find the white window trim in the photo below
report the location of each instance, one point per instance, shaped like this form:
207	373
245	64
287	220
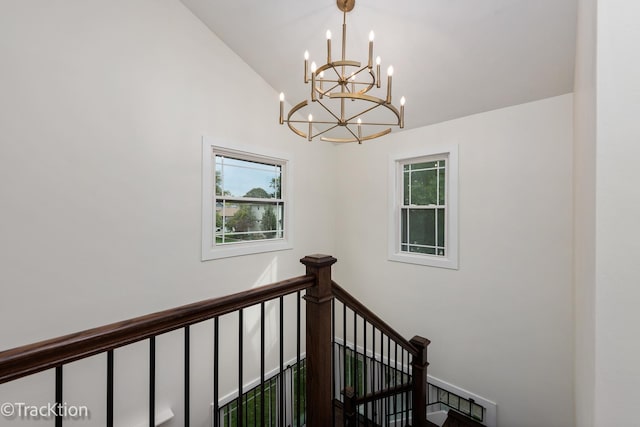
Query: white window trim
209	249
395	192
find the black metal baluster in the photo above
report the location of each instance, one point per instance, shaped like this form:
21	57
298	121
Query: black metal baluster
187	405
364	371
281	415
299	394
374	405
262	364
216	409
152	381
355	354
395	381
333	360
292	405
408	393
110	388
240	354
304	415
388	379
402	401
344	361
58	395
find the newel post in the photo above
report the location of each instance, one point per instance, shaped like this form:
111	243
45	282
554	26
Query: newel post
419	365
319	341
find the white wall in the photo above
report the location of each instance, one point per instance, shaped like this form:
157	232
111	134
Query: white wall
617	211
584	159
502	325
102	108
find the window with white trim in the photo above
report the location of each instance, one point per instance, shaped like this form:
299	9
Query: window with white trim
423	228
245	204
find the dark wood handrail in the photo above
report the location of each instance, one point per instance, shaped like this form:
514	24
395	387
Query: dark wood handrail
355	305
382	394
32	358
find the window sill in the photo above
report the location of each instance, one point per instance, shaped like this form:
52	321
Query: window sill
240	249
431	261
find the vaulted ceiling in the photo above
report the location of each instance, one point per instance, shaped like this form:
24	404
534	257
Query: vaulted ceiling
452	58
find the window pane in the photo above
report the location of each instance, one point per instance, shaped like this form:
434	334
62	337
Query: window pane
422	227
464	407
243	178
454	401
441	186
424	187
424	165
422	250
476	411
404	232
441	227
405	185
242	221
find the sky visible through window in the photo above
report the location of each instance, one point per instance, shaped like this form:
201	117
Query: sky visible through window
238	177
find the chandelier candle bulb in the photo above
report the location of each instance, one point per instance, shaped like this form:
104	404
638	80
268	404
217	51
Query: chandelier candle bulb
313	81
281	108
359	131
310	120
371	36
306	66
378	61
389	76
328	46
402	101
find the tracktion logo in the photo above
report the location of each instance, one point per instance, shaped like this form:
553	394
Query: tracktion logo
22	410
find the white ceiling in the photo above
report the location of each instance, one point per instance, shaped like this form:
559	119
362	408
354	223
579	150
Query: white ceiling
451	58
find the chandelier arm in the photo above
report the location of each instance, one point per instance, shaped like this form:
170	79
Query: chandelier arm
328	110
324	92
372	84
363	112
364	138
326	130
337	73
335	64
316	122
291	113
354	135
296	108
369	85
369	98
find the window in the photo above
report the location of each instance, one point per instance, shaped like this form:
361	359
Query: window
423	227
245	204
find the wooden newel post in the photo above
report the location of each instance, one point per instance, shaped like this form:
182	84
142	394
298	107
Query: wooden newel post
419	365
319	341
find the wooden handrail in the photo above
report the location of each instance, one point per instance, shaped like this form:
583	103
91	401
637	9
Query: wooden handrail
382	394
32	358
355	305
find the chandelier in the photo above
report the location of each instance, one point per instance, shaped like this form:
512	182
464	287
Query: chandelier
341	97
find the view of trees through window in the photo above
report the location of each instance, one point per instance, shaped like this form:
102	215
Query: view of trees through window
423	207
249	204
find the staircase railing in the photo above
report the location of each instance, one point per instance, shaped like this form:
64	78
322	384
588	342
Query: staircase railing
322	297
388	384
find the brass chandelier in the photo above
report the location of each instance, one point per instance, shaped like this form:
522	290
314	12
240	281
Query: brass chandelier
341	97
